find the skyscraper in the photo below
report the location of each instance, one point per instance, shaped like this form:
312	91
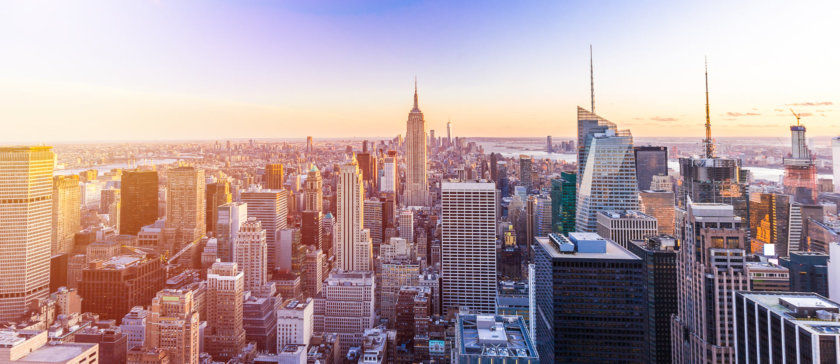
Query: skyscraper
185	206
650	161
608	181
417	188
710	266
468	221
589	300
225	335
172	325
589	124
217	194
835	161
800	169
346	307
624	226
525	171
389	181
352	242
250	254
659	256
139	200
230	217
270	208
66	213
273	178
782	327
563	202
660	205
313	190
374	221
26	185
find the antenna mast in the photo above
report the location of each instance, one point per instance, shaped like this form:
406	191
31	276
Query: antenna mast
708	143
592	78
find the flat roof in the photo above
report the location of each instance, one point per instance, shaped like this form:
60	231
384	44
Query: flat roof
59	353
614	251
468	186
777	302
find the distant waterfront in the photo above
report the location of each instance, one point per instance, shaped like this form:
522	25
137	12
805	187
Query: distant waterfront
107	167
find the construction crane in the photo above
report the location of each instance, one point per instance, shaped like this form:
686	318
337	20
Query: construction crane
797	116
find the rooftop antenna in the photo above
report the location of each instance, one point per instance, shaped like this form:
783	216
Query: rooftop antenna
592	78
708	143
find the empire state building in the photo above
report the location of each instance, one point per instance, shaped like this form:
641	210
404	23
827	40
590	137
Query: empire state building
417	187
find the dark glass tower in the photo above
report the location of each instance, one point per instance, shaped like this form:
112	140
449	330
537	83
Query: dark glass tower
563	202
589	300
650	161
139	205
659	254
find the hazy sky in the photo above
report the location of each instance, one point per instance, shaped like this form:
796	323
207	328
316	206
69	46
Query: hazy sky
117	70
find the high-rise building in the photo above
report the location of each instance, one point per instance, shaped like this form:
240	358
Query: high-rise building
368	165
295	322
217	194
311	228
468	244
835	162
270	208
273	178
710	266
224	336
650	161
66	213
230	218
259	319
768	277
563	202
588	126
309	147
608	181
313	191
406	225
416	185
352	241
660	206
346	307
133	324
374	221
525	163
808	272
493	338
185	206
800	169
782	327
589	300
172	325
112	287
659	256
624	226
26	186
313	272
389	181
139	200
494	171
250	254
413	312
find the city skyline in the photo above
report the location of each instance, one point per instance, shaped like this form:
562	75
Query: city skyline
330	70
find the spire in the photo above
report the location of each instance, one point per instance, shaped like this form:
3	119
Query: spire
592	79
416	107
708	143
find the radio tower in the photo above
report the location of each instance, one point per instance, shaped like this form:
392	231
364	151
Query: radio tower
708	143
592	79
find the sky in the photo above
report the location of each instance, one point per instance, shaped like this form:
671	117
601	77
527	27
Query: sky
168	70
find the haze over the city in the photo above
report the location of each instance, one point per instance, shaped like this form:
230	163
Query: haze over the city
161	70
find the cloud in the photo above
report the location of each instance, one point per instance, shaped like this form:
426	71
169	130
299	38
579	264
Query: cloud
659	118
818	103
779	110
740	114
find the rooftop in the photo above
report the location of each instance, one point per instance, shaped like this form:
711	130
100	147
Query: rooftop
628	214
462	186
494	336
811	311
559	246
